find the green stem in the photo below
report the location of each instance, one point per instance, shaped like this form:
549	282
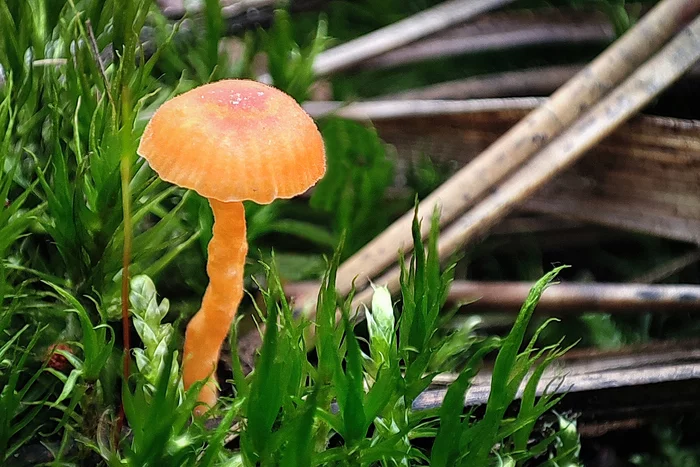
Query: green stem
125	170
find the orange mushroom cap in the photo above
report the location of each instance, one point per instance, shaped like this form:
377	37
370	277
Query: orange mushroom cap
235	140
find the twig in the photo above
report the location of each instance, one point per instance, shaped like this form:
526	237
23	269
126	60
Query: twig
565	297
401	32
378	110
593	375
466	40
578	296
579	362
533	133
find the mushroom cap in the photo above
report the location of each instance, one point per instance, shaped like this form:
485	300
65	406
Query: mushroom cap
235	140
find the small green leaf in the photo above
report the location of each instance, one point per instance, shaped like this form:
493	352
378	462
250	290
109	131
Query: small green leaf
299	449
353	410
265	391
68	387
446	448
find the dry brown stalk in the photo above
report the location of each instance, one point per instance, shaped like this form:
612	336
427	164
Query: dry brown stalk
500	32
565	297
622	103
518	144
595	373
578	296
402	32
585	361
379	110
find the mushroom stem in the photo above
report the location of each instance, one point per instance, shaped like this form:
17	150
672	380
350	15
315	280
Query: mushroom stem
210	326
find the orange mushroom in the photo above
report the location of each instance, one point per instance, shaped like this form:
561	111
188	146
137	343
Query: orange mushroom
230	141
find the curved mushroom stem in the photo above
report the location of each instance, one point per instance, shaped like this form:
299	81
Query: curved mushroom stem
210	326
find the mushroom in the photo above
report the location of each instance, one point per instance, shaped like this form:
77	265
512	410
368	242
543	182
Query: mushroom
230	141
